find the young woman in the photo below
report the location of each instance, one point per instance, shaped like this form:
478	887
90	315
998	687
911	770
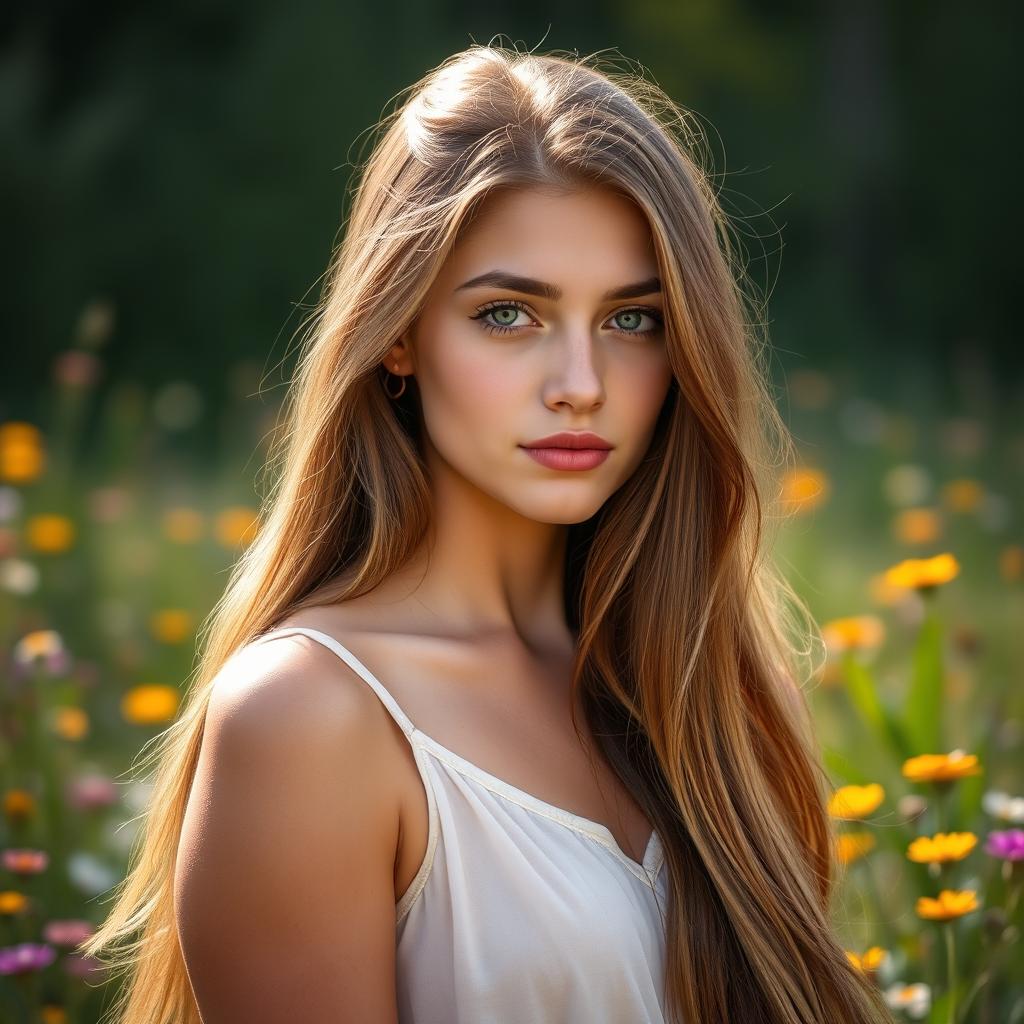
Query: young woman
499	718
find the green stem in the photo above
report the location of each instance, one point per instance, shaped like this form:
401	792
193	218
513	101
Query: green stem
951	972
1011	903
941	809
882	921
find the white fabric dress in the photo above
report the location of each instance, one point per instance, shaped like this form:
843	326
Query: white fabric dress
521	912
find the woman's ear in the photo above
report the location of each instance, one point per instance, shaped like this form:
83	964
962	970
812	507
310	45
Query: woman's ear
399	358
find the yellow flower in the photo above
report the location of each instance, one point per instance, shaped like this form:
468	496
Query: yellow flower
171	625
12	901
854	633
950	903
941	767
19	432
922	573
50	533
869	961
22	458
804	489
917	526
963	494
942	847
150	703
856	801
19	804
70	723
51	1013
40	643
182	525
236	525
854	845
884	593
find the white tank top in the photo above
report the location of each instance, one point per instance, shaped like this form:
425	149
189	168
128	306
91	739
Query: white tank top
521	912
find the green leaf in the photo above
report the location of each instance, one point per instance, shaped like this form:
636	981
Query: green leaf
842	769
923	712
860	685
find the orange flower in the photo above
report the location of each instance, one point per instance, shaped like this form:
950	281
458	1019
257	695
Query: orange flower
917	526
150	703
19	804
182	525
869	961
804	489
22	458
237	525
854	802
171	625
951	903
19	432
941	767
12	902
70	723
963	494
50	533
1011	562
854	845
854	633
942	847
923	573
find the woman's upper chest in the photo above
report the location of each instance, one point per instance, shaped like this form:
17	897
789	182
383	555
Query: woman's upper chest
506	709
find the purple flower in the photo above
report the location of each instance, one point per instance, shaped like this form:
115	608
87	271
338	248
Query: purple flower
26	956
1008	844
80	966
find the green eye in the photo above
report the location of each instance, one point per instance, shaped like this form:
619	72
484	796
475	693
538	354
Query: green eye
635	317
505	312
501	311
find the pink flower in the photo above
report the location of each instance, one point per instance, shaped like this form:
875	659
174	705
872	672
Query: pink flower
1009	844
25	862
91	791
67	932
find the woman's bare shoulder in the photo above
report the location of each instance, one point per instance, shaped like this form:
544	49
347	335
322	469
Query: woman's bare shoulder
288	842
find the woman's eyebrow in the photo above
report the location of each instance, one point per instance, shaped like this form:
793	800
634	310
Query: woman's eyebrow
531	286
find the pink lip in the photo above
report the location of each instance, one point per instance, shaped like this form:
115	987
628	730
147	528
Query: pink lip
568	458
570	439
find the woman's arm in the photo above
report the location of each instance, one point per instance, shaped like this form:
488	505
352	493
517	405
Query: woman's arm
284	884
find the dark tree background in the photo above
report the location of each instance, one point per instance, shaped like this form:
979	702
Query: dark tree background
189	164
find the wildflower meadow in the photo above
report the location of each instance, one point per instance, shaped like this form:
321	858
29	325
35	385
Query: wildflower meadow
904	535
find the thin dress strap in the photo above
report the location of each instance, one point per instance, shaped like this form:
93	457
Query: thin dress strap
354	663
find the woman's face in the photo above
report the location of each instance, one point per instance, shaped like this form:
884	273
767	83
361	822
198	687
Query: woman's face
546	317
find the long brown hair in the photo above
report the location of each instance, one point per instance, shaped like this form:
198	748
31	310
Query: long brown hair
692	649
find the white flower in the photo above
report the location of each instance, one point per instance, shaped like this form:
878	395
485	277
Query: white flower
915	1000
1003	806
18	576
89	874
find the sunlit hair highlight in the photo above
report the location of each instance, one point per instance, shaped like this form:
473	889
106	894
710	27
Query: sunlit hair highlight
692	649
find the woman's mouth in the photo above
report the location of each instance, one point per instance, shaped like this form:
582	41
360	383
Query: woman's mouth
567	458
